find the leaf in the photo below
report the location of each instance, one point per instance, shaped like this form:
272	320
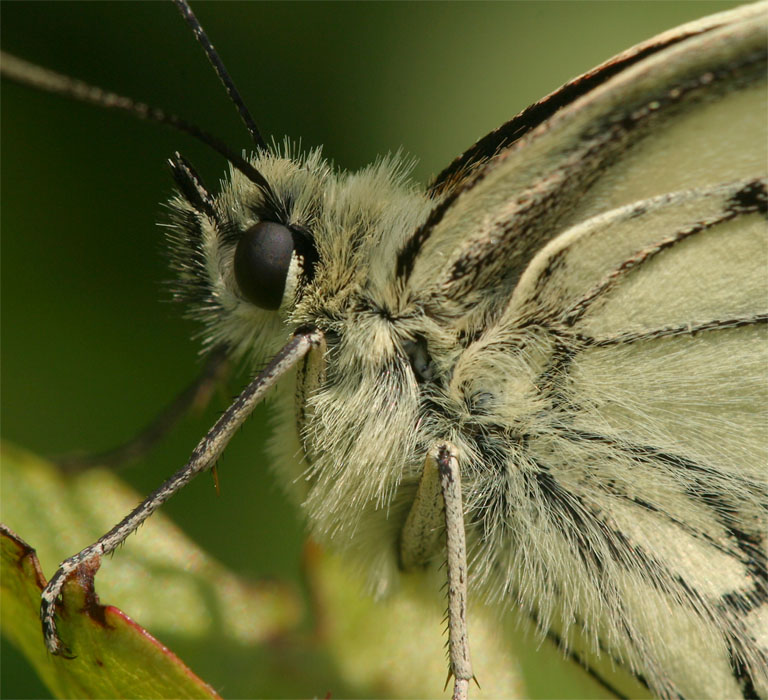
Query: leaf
115	657
160	576
251	637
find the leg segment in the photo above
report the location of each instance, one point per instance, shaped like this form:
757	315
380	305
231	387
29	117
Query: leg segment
203	457
195	395
438	504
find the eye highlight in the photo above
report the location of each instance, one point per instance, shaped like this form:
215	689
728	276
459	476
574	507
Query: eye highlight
262	262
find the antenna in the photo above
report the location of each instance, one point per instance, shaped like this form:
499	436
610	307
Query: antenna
221	71
31	75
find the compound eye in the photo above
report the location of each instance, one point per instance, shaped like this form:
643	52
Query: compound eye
262	259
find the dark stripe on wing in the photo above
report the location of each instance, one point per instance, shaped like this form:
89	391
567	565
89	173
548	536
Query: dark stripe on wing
589	156
699	490
682	330
581	660
535	114
749	199
741	672
617	130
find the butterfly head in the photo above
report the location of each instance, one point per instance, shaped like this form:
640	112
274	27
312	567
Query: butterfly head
314	247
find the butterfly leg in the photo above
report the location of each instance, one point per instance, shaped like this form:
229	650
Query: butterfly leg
438	505
195	396
203	457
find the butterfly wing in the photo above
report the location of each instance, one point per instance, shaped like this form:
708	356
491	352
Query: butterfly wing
649	463
608	274
498	140
689	114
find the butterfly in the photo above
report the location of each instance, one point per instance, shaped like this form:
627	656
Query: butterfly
511	317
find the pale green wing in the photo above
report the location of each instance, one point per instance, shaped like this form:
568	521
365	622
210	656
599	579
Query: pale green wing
607	274
684	115
650	453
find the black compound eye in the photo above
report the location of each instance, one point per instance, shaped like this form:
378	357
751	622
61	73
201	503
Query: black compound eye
262	258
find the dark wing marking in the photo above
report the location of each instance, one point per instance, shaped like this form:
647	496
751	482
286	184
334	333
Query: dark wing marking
505	135
513	230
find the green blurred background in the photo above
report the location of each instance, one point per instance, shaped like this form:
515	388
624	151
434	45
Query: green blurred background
91	345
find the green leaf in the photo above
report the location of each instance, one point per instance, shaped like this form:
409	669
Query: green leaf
114	657
161	577
252	637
